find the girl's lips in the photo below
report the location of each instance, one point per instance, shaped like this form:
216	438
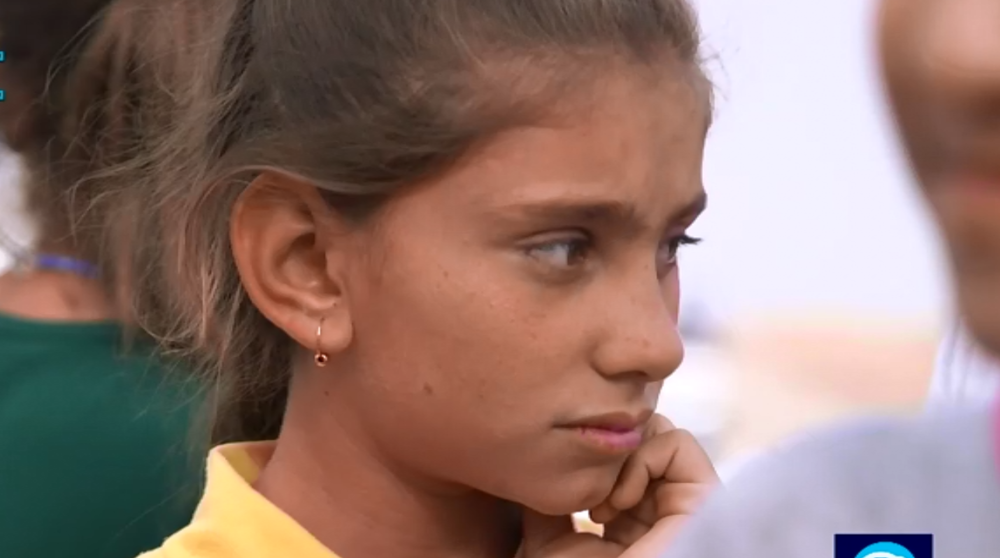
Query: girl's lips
615	433
611	441
619	420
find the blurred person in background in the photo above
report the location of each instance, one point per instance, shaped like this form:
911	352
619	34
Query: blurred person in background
938	474
94	441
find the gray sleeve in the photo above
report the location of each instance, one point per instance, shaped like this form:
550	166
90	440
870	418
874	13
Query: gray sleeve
877	477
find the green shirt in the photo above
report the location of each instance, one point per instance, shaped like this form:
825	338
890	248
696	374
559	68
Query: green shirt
96	455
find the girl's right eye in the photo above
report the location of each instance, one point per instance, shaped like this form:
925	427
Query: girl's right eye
563	253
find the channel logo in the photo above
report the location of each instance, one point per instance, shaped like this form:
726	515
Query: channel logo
883	546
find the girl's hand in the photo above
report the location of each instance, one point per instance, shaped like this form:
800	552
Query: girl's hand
556	537
661	484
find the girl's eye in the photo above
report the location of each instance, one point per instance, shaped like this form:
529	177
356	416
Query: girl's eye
563	253
667	257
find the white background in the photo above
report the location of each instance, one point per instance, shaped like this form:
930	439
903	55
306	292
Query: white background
811	202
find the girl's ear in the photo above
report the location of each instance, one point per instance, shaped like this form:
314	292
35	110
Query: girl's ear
289	247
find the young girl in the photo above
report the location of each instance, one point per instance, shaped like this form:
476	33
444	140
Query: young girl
93	437
939	474
431	248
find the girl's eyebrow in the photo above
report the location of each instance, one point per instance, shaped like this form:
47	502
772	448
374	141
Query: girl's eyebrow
605	212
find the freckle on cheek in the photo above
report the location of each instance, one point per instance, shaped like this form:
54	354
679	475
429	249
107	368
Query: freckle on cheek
428	389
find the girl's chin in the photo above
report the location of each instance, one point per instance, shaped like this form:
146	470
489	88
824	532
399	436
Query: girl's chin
571	495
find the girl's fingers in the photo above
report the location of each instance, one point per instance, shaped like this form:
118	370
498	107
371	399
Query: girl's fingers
625	529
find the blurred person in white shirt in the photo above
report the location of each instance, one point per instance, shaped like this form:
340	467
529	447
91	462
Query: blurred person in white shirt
964	374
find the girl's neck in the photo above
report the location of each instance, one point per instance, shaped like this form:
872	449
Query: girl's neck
357	504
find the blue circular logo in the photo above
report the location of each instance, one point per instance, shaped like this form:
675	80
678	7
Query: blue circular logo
885	550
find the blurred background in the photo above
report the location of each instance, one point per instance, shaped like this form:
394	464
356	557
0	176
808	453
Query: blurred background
818	292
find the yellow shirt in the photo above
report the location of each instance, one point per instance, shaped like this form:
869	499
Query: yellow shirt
234	521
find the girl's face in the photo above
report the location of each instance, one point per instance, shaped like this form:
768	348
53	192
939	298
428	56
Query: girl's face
511	321
942	66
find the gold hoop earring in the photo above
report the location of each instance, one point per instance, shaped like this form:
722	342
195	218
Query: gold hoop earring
320	357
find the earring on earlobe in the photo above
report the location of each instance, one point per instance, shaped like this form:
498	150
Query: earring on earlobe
320	357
